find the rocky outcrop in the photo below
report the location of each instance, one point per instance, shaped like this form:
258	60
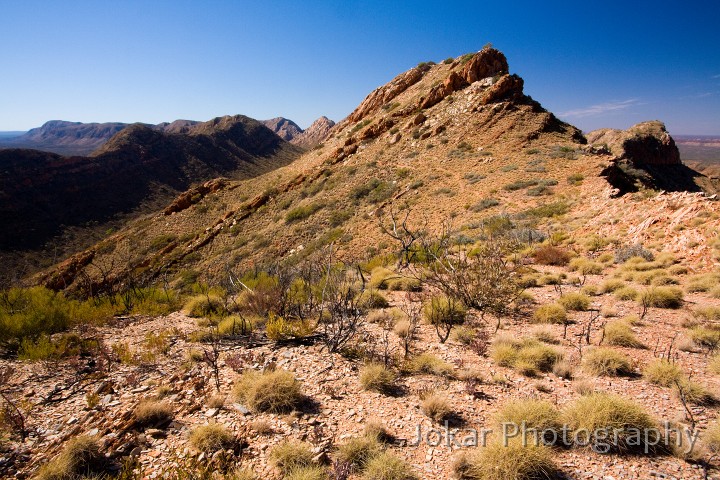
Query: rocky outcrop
194	195
382	95
644	155
315	134
647	143
488	63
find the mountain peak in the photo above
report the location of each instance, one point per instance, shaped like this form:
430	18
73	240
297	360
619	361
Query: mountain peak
283	127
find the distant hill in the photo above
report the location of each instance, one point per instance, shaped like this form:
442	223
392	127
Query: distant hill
139	170
284	128
291	132
76	138
65	138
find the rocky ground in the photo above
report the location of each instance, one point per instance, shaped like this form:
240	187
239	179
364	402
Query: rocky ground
68	398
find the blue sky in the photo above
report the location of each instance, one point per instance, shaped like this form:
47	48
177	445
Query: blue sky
611	64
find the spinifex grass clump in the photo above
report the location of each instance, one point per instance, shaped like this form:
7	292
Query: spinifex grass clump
272	391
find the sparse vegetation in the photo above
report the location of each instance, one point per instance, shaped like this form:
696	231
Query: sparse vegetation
377	377
663	372
211	437
516	461
430	364
550	313
271	391
574	301
527	356
289	456
603	411
604	361
620	334
80	457
357	452
151	413
436	406
387	466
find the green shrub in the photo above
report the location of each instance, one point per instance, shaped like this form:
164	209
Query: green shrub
302	212
626	293
575	178
483	204
603	361
607	412
29	313
370	299
464	335
662	297
211	437
430	364
620	334
203	306
444	310
58	346
663	372
549	210
550	313
545	334
288	456
714	364
574	301
314	472
377	377
270	391
516	461
234	325
703	283
626	252
155	302
385	279
528	356
444	313
387	466
711	314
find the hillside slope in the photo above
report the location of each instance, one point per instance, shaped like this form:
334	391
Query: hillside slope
138	171
457	142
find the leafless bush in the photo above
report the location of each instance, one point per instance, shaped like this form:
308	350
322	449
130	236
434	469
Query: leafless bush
341	315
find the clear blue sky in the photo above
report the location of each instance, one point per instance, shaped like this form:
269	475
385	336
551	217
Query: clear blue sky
594	64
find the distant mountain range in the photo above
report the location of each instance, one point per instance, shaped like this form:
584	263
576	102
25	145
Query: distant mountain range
138	170
76	138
